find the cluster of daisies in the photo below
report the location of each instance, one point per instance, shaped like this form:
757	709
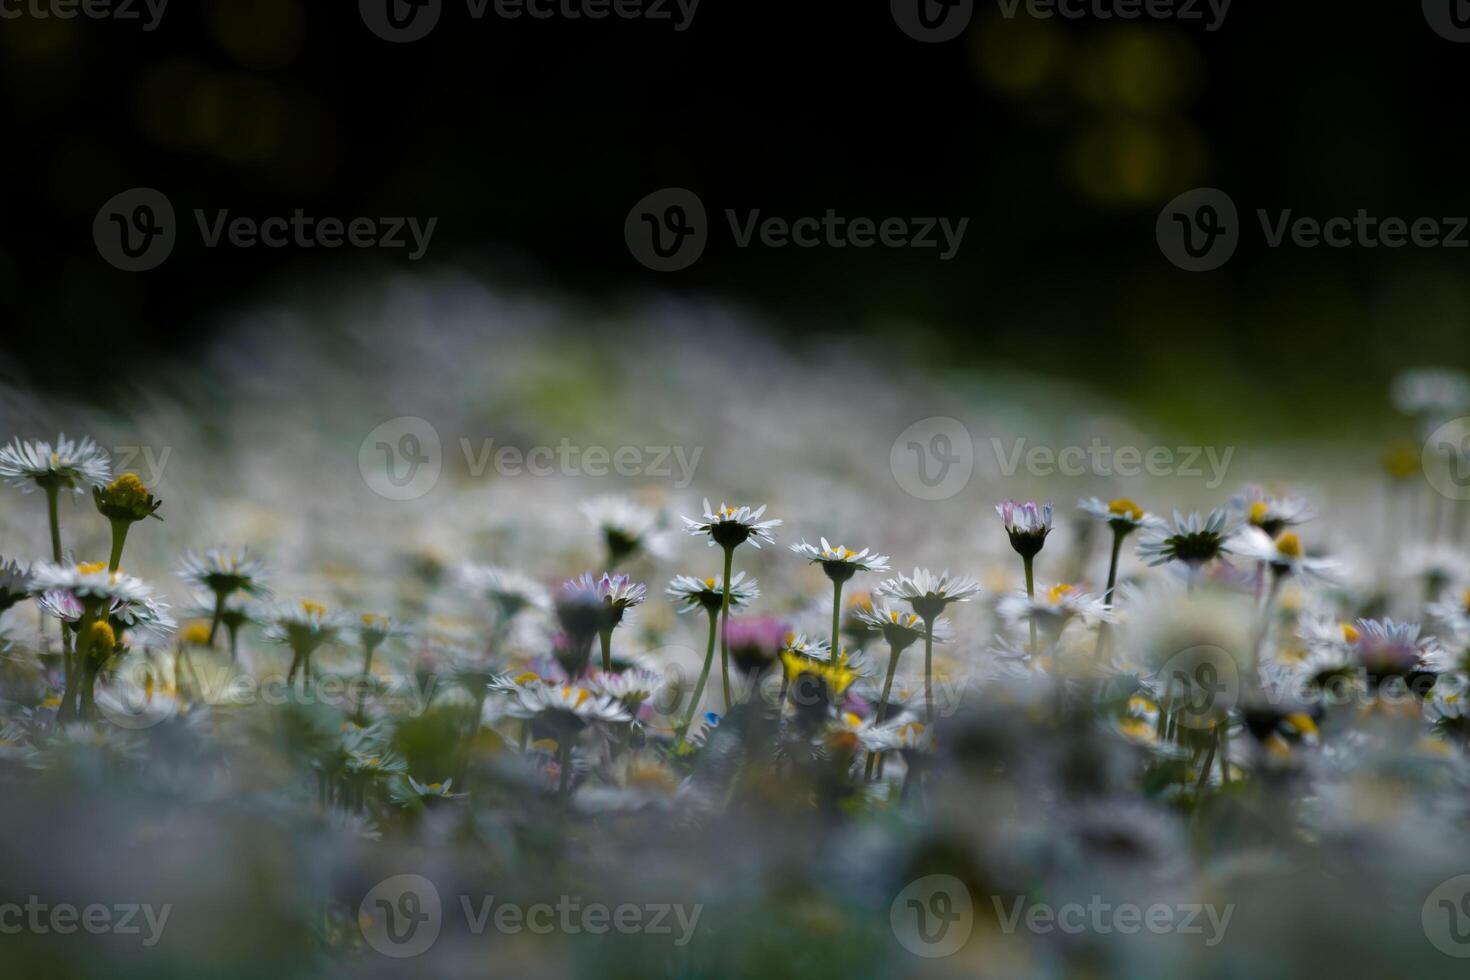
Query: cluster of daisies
1233	655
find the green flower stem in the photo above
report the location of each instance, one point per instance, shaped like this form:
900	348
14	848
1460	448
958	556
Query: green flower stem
893	654
564	763
709	657
234	632
1102	628
119	538
929	671
219	615
605	635
1031	594
52	493
367	667
725	627
836	619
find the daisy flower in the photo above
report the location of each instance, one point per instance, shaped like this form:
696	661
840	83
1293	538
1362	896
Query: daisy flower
617	594
1437	565
690	593
1052	610
1124	517
124	502
1193	541
631	687
900	630
510	591
1272	514
302	626
68	466
223	572
840	564
564	711
1431	394
1026	524
626	528
756	644
1283	554
90	582
927	595
1388	649
730	527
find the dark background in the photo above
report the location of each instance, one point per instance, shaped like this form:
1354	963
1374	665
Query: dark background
530	141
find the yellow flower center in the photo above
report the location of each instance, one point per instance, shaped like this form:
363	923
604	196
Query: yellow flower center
1350	632
1259	511
1289	545
307	606
101	635
709	583
1057	592
373	619
1402	461
1123	507
128	483
91	567
197	634
529	677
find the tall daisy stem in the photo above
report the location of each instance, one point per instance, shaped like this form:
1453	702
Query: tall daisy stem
1102	628
893	654
119	538
52	493
1031	595
725	627
928	671
219	615
605	635
709	656
836	619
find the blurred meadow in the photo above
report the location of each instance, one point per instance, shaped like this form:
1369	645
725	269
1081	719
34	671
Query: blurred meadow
517	609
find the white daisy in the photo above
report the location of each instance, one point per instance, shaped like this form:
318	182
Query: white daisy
928	594
900	629
1284	554
627	528
730	527
1272	514
1193	541
1122	515
70	465
511	591
1052	609
690	593
302	626
223	571
89	580
841	563
564	707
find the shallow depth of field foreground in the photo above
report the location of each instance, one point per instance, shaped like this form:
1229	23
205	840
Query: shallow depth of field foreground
447	642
